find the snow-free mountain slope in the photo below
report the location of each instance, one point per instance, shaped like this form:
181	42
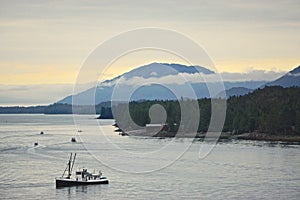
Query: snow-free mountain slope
290	79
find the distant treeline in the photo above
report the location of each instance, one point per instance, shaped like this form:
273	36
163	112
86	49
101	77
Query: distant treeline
22	110
271	110
58	108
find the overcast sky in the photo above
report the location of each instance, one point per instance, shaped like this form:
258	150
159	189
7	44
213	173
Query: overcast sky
44	43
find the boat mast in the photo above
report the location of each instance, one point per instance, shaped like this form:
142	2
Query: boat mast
73	162
69	166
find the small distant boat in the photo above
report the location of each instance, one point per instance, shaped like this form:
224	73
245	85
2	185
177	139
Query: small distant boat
35	144
82	177
42	133
73	139
79	131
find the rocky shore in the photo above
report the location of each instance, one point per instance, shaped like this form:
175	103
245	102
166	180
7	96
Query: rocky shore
267	137
224	135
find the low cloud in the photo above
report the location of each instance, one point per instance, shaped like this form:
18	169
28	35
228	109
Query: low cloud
182	78
254	75
297	74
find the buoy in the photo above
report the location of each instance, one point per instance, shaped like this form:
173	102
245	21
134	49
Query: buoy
36	144
42	133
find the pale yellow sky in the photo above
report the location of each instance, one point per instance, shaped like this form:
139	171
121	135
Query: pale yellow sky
68	76
46	42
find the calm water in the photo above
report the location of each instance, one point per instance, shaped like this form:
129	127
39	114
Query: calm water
233	170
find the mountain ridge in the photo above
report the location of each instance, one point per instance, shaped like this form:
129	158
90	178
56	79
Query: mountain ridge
292	78
151	70
235	91
104	91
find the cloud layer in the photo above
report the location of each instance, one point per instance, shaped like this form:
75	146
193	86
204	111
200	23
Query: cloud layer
182	78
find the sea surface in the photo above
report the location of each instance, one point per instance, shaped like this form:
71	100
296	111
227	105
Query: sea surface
138	167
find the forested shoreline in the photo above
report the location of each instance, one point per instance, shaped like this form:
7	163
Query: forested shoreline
272	110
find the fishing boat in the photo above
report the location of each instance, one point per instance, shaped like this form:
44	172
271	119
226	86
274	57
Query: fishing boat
82	177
